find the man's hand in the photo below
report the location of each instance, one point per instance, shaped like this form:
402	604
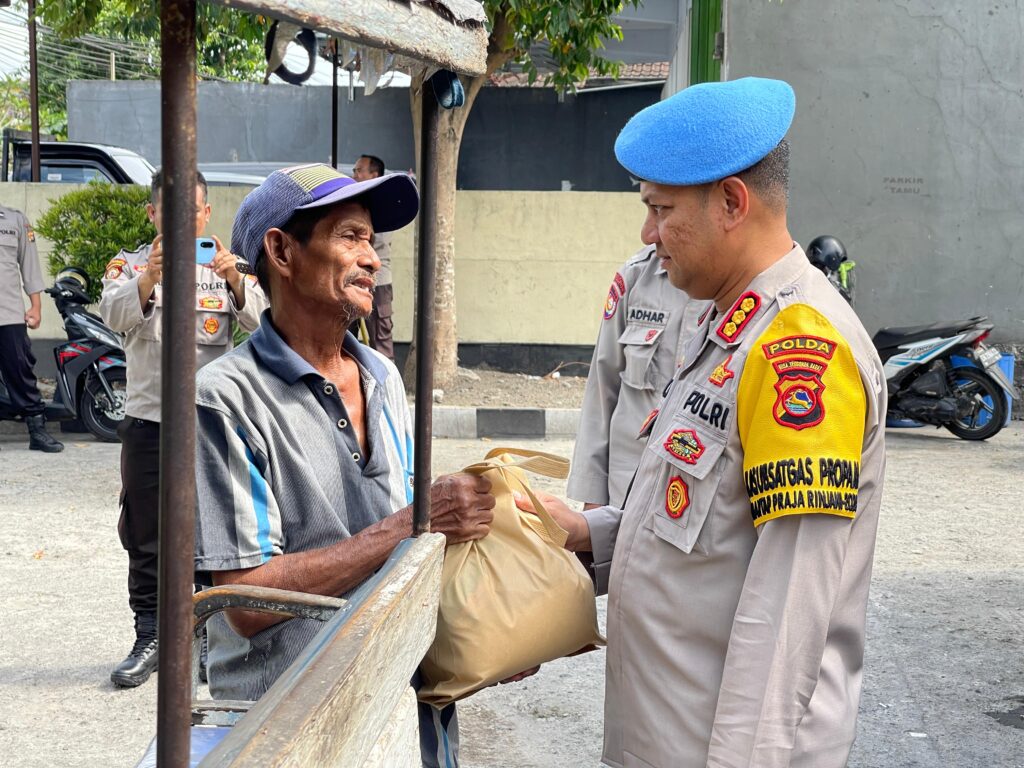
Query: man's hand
572	522
461	507
223	265
154	273
521	676
32	317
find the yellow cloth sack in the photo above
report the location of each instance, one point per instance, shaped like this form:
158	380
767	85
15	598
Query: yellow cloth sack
514	599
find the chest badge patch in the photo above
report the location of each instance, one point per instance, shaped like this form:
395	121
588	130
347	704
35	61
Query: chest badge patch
645	428
212	325
677	497
722	373
651	334
685	445
736	319
114	268
211	302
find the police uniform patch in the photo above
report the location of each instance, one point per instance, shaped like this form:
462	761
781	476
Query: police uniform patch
799	404
30	234
736	319
620	283
651	334
114	268
611	304
677	497
211	302
212	325
645	428
684	445
722	373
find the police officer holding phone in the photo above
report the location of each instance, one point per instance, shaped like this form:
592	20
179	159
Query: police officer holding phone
131	304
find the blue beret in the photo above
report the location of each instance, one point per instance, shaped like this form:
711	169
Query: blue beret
707	131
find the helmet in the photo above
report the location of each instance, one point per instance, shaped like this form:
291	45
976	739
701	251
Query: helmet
826	253
74	282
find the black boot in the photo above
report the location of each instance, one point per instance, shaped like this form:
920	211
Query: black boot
38	438
142	660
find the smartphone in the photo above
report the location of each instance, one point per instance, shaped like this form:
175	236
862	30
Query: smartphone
206	249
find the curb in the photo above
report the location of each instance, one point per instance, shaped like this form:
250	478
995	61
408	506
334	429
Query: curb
462	422
470	423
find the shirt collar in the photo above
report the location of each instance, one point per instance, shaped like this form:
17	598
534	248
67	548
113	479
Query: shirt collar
288	365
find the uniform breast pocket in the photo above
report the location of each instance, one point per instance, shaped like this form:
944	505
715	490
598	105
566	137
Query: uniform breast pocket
639	343
691	471
213	328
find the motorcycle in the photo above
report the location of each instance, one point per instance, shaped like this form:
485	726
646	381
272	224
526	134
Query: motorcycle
942	374
91	374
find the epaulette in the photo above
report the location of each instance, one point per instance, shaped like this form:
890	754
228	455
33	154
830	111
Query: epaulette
738	317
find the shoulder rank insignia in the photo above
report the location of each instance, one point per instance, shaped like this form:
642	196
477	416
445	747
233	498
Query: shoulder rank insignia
685	445
722	373
114	267
677	497
737	318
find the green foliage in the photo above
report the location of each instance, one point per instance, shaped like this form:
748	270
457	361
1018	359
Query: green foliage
15	110
230	43
574	31
89	226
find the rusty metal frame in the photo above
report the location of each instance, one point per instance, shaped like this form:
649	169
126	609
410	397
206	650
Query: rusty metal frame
463	50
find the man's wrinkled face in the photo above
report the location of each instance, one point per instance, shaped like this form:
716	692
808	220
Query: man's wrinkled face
336	268
155	213
680	225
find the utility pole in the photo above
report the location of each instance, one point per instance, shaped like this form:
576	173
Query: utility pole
33	87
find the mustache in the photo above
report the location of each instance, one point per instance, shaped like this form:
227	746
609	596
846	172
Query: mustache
361	274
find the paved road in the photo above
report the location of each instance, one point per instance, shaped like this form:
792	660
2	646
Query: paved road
944	633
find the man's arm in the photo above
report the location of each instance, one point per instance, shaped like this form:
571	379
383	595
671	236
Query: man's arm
588	479
806	410
31	275
126	298
239	537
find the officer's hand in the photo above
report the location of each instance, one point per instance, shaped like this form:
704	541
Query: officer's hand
32	318
224	265
461	507
155	265
521	676
572	522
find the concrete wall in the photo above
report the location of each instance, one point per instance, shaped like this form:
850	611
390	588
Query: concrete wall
515	139
532	267
906	145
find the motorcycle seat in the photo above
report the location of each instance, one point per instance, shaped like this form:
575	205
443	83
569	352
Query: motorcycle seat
893	337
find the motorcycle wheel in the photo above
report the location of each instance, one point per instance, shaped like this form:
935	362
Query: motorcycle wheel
981	404
101	416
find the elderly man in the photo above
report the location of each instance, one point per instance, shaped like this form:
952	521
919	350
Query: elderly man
738	571
132	303
304	450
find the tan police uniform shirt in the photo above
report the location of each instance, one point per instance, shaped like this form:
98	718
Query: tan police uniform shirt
19	266
382	245
739	583
122	311
639	345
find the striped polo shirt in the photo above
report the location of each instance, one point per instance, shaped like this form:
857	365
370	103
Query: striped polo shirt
279	470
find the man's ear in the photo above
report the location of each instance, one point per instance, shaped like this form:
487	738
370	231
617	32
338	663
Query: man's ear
151	213
735	202
280	251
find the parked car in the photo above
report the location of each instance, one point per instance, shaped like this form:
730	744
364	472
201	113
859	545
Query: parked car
71	162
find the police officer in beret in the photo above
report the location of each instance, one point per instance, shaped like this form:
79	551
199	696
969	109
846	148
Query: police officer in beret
644	324
19	271
132	304
738	570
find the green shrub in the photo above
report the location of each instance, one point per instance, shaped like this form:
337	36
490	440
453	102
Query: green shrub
89	226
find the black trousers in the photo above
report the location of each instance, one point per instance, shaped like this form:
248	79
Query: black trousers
16	367
139	525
